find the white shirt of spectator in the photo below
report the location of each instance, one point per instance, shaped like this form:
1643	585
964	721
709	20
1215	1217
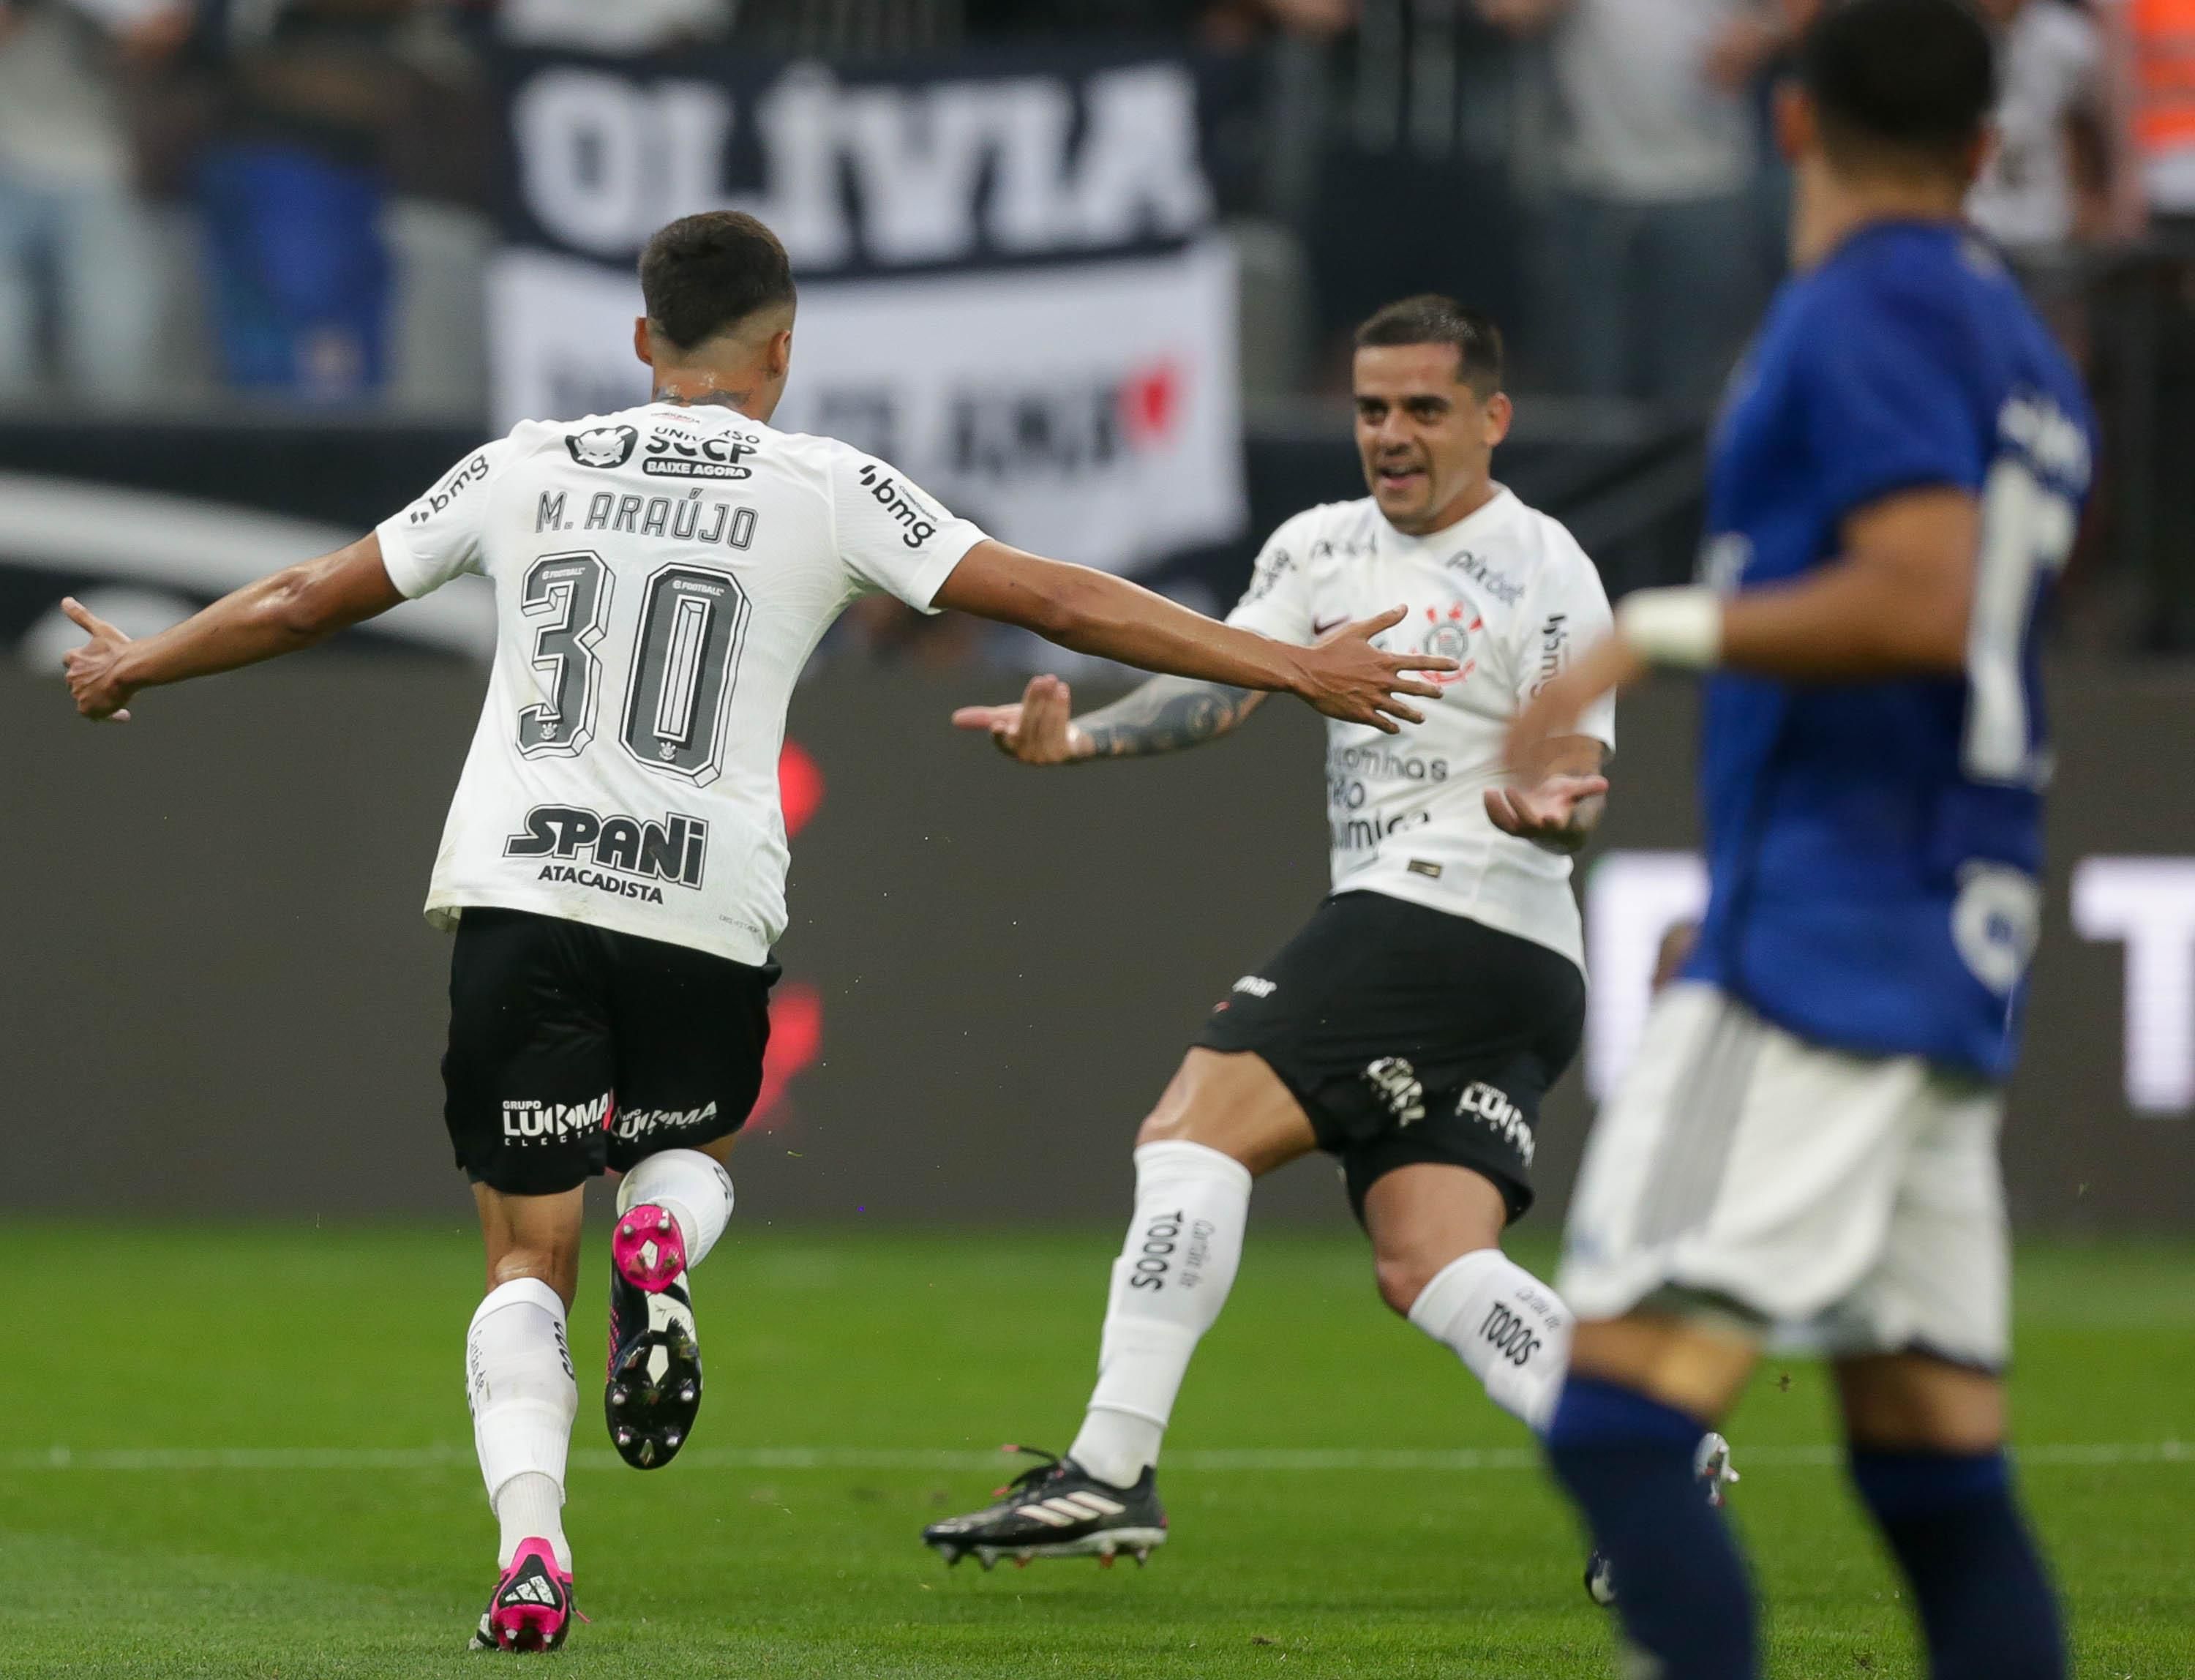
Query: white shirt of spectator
1508	592
1642	120
2049	69
661	576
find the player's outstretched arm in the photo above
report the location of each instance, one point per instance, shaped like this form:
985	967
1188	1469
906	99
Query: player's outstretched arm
1897	604
292	608
1164	715
1345	677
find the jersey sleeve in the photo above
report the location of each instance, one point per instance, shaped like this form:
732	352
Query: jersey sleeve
1886	406
1570	614
1278	602
893	536
439	537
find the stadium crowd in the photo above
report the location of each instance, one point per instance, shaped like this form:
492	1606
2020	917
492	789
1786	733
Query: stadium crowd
293	197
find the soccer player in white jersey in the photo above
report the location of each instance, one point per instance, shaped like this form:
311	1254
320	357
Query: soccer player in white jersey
614	860
1412	1026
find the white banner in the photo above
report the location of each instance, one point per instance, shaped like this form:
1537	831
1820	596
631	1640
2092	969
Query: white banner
1086	411
1011	285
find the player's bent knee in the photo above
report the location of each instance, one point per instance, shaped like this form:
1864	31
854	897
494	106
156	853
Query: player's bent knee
1403	1279
1234	1104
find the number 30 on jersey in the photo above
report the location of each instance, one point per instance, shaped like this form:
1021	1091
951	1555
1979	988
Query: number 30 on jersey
680	669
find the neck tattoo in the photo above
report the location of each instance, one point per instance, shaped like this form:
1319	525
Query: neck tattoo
713	399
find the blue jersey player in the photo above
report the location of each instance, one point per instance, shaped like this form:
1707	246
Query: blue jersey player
1809	1134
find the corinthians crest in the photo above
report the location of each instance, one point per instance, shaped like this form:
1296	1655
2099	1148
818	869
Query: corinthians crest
1448	635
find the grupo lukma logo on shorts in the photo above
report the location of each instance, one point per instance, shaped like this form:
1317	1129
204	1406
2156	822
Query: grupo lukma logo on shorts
527	1122
1491	1106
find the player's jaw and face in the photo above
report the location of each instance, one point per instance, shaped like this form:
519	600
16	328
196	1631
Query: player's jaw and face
1427	439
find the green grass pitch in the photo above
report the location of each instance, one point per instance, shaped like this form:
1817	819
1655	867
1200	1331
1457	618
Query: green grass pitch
204	1474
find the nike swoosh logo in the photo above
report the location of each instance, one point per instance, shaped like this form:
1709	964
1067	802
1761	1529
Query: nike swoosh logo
1320	626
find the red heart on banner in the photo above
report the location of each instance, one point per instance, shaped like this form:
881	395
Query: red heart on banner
1150	403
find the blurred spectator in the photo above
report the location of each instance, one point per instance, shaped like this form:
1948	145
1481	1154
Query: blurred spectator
2061	170
76	267
1652	275
1412	182
292	189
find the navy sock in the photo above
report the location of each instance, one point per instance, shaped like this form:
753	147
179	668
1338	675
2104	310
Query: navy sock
1987	1607
1680	1585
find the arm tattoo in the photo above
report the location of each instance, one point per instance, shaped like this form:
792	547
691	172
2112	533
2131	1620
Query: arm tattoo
1164	715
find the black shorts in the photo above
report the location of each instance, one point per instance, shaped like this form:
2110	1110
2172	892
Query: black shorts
1410	1035
573	1049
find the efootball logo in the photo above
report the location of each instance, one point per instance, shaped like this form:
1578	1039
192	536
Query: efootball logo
603	447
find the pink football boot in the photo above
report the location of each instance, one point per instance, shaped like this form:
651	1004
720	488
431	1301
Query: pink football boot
530	1609
647	1247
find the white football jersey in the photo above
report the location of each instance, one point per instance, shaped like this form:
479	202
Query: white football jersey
660	576
1509	594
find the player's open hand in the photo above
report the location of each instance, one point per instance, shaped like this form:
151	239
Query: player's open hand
1549	813
1345	676
1038	732
93	670
1562	701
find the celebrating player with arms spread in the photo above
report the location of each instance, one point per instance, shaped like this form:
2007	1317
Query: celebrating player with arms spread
1809	1132
1412	1026
614	861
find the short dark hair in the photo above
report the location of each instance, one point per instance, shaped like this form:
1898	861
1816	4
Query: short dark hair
704	274
1899	84
1431	319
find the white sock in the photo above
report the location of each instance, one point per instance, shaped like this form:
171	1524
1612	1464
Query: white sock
518	1377
1511	1329
1169	1283
693	1189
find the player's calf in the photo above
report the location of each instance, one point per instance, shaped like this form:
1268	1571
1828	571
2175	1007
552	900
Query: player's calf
1633	1466
523	1396
1986	1605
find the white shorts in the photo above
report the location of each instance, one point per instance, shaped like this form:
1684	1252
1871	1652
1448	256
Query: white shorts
1854	1200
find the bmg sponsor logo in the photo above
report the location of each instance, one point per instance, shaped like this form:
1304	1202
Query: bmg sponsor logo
675	850
917	522
443	495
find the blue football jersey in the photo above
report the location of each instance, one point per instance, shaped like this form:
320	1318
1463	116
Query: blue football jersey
1876	847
